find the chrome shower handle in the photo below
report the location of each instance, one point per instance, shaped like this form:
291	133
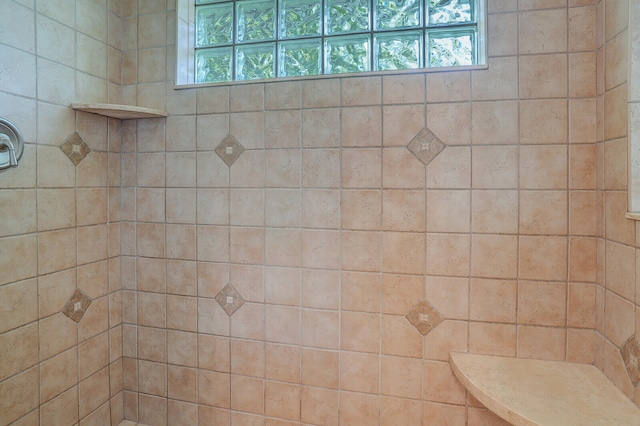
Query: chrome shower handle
6	142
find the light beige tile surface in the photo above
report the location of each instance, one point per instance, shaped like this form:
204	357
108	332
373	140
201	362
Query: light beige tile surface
533	392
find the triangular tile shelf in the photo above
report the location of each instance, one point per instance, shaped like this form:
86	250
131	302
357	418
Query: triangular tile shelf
123	112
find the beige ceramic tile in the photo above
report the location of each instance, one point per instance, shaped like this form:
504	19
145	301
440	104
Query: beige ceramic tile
283	129
405	89
283	95
321	128
320	208
495	167
399	337
447	254
580	345
214	388
495	122
247	394
21	395
320	368
494	211
543	122
543	167
502	30
543	212
361	91
619	318
361	126
543	31
400	293
441	206
360	332
542	303
492	339
440	385
248	322
450	169
403	252
282	363
319	406
450	122
582	259
359	408
543	258
494	256
449	336
282	400
152	409
93	392
437	414
540	4
400	377
448	87
496	83
181	348
493	300
449	296
23	344
541	342
152	344
543	76
401	169
401	124
63	409
321	93
581	305
247	358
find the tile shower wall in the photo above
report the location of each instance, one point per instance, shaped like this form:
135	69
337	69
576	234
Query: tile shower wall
329	230
616	309
59	232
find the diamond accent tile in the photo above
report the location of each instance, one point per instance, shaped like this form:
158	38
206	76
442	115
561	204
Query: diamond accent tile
426	146
75	148
229	299
424	317
630	352
229	150
76	306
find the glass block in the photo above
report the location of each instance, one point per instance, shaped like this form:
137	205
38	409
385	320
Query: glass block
300	18
256	20
395	14
449	49
347	16
450	11
346	54
214	25
211	1
213	65
301	57
256	61
397	51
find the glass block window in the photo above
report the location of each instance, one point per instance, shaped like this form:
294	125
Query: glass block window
258	39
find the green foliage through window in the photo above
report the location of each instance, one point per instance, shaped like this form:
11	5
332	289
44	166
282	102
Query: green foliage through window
257	39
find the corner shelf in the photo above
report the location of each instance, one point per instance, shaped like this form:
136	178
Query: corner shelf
123	112
528	392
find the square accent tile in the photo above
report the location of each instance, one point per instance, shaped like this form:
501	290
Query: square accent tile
630	352
75	148
424	317
229	150
229	299
426	146
76	306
